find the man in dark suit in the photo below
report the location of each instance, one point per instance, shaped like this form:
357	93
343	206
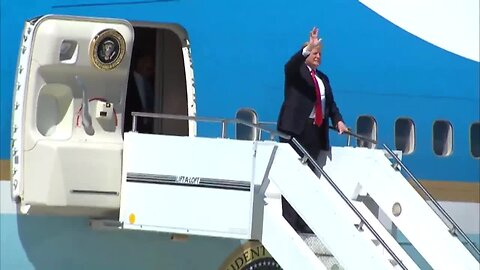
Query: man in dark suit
140	93
307	106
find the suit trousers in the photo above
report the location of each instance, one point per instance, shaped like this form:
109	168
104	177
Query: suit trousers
311	140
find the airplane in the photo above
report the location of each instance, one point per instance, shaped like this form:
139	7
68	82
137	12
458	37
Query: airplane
402	75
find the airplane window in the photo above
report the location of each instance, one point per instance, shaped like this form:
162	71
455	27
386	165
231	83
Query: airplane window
442	138
475	140
366	127
405	135
68	52
243	132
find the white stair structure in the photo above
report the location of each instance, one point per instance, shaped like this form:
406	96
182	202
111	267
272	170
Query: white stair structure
372	173
218	187
214	187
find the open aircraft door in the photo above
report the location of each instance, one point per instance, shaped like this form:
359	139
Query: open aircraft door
70	92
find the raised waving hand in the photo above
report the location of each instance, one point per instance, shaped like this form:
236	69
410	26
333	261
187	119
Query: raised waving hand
314	41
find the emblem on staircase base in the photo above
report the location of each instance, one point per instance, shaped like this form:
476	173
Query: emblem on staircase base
250	256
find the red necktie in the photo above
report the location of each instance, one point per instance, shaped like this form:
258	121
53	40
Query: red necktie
318	102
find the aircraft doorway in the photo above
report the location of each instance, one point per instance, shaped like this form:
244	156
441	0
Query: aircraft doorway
161	79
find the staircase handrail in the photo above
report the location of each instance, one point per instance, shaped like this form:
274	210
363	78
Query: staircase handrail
363	220
223	121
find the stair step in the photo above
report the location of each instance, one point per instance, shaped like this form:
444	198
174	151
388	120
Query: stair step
316	245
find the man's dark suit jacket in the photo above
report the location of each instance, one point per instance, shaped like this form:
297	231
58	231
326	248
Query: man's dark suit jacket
134	104
300	98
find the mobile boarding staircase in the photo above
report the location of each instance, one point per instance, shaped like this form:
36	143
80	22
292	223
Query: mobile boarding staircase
232	188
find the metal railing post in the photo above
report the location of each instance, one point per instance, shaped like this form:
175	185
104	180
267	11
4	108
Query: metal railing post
224	128
134	122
